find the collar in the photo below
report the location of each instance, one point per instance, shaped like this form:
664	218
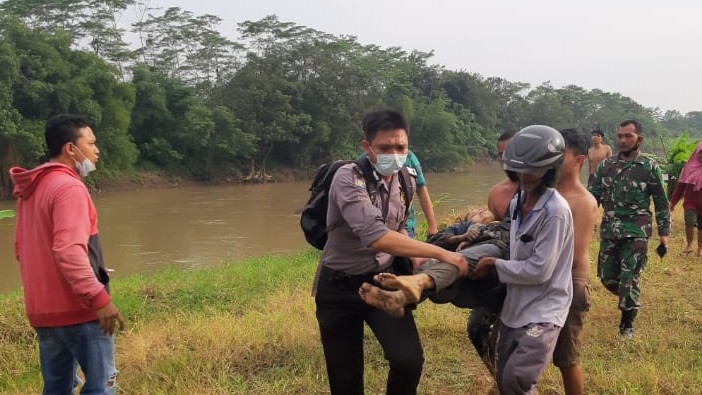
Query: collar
640	158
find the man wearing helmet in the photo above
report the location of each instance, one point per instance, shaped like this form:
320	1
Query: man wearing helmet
538	273
624	185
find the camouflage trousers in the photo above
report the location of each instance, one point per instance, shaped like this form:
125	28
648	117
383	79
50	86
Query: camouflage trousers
619	266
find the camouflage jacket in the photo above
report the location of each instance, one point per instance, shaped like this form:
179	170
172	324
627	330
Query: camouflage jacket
625	189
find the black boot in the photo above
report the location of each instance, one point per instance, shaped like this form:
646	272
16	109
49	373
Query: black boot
626	325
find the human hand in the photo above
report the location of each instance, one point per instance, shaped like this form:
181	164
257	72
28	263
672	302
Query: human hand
432	230
459	261
483	267
472	233
665	240
107	315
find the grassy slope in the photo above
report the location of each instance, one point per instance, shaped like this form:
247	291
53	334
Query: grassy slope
250	328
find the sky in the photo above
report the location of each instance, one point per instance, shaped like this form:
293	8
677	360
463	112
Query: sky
648	50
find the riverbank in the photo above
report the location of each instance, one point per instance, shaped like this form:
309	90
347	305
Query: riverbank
249	328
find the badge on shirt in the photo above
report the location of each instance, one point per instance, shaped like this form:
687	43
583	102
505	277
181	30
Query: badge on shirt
359	181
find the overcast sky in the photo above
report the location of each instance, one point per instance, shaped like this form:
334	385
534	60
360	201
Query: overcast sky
648	50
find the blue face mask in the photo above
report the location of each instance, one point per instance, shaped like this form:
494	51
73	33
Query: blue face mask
389	164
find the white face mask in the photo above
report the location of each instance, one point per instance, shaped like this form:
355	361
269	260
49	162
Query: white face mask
389	164
86	166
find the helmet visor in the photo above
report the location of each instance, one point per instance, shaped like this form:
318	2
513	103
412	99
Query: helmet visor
536	171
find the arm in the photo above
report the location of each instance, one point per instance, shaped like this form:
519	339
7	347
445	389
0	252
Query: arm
677	195
397	244
660	202
427	209
596	187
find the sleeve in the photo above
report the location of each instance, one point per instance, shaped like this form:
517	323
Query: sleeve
660	200
70	214
348	192
413	162
596	186
539	266
677	193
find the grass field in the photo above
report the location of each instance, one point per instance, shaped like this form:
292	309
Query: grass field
249	328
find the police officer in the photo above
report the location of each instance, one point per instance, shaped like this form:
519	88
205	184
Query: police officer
624	185
363	240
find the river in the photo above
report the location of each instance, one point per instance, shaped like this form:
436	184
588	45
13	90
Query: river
191	227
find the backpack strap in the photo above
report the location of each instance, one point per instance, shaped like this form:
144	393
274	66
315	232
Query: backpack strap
408	186
366	170
371	178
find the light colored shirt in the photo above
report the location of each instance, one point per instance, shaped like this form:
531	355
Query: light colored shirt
538	273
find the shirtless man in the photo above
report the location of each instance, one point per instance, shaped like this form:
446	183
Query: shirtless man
597	152
583	206
501	193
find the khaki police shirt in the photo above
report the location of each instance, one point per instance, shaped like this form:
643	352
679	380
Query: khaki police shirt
355	223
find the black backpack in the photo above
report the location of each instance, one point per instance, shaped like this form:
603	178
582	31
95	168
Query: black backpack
313	220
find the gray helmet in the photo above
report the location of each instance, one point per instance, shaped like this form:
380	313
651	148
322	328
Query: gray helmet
534	150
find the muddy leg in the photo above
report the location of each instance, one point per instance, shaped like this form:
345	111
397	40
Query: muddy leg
391	302
412	286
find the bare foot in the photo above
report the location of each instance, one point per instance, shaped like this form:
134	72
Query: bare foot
391	302
412	286
688	250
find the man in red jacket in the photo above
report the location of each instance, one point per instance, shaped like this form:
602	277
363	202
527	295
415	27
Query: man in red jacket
65	283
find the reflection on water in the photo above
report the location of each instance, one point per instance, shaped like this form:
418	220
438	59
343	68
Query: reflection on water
143	231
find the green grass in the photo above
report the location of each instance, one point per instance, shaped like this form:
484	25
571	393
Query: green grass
249	328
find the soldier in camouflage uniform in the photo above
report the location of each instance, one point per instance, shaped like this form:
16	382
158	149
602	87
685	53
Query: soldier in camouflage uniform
624	185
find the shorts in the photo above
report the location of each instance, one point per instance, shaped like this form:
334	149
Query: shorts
693	219
567	351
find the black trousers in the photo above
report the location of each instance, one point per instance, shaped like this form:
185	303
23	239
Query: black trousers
341	314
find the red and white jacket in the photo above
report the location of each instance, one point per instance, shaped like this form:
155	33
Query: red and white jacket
57	247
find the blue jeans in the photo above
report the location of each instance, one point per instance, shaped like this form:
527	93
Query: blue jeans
60	347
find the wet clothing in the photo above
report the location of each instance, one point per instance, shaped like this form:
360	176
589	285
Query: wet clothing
619	267
347	261
57	246
482	328
625	188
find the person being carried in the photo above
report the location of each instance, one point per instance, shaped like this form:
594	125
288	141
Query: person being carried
441	282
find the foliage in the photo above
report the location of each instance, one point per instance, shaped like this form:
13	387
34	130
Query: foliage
678	153
189	101
6	214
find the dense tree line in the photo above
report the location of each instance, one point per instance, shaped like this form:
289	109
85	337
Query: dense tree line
189	101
